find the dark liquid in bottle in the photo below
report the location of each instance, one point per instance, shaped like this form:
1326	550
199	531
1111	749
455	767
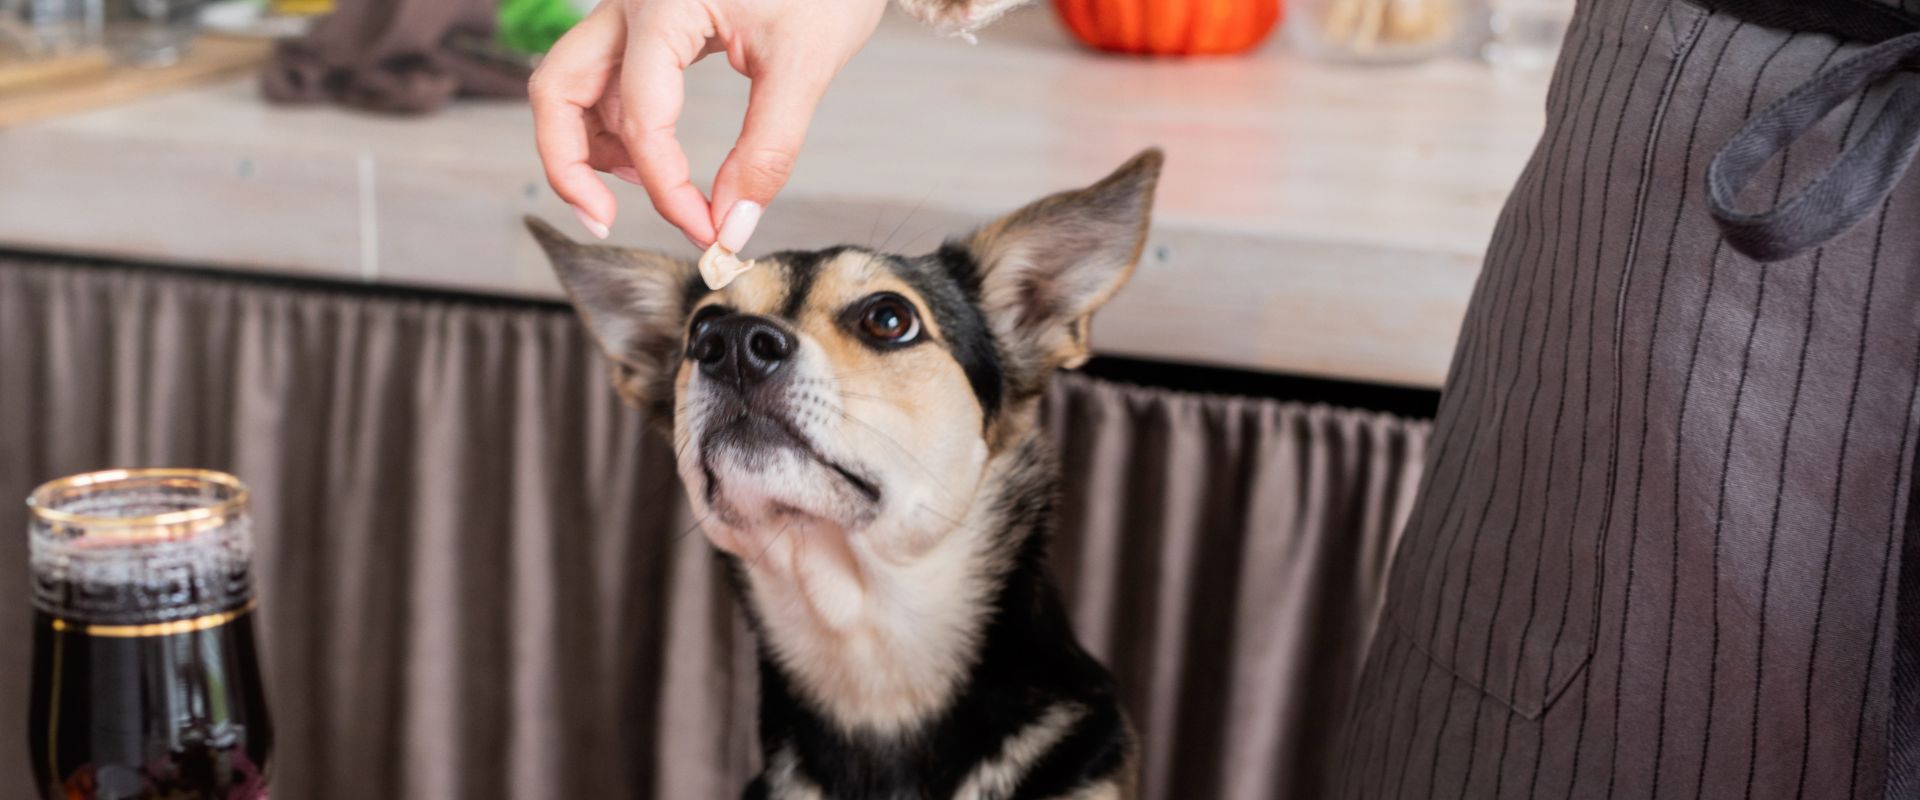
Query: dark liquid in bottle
149	713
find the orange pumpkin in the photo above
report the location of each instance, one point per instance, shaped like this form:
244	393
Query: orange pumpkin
1170	27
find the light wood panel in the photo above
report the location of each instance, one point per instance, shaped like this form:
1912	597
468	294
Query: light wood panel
88	83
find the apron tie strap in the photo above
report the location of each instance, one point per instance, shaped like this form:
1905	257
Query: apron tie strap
1864	174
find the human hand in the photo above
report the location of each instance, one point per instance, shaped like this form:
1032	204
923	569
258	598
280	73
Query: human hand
608	95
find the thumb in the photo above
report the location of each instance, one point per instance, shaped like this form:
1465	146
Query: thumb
779	108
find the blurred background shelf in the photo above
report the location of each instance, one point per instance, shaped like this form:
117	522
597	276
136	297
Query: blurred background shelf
1314	219
39	90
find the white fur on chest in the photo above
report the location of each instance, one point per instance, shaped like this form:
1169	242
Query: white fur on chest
877	643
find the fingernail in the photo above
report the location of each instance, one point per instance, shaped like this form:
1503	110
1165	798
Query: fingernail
739	225
593	226
628	174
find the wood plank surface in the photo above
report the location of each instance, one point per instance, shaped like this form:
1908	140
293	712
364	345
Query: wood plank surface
31	91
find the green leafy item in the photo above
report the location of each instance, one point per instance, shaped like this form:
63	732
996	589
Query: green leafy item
532	26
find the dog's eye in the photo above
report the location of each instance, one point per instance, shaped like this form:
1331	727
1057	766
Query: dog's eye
889	319
702	318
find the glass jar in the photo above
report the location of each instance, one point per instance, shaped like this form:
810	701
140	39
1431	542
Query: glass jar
44	28
151	33
145	683
1375	31
1525	34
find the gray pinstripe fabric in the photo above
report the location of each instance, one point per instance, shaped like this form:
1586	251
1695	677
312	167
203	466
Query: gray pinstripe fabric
1657	549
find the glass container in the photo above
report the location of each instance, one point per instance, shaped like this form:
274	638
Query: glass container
1525	34
145	683
47	28
151	33
1375	31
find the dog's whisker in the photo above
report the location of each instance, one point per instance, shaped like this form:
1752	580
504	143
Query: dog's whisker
908	243
861	371
691	528
877	216
875	397
937	483
770	543
858	372
903	220
957	524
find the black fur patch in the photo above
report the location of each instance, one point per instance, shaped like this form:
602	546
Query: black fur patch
803	267
949	281
695	291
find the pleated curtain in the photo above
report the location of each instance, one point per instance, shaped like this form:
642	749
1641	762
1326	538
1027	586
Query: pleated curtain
480	579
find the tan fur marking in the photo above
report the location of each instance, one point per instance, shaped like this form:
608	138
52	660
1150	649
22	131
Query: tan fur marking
1105	791
1000	775
759	291
784	782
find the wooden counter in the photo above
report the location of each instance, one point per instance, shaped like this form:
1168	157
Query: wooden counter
1313	219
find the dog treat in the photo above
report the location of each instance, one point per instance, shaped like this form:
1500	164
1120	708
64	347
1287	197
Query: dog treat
719	267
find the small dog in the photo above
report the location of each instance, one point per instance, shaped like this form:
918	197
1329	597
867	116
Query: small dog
859	433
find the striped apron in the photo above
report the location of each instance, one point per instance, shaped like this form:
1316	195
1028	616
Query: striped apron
1658	551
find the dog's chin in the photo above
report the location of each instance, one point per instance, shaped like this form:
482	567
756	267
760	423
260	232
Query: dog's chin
757	472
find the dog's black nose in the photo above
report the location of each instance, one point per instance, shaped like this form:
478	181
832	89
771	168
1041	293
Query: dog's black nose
741	349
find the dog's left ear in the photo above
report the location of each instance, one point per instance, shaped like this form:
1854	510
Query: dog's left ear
635	303
1046	268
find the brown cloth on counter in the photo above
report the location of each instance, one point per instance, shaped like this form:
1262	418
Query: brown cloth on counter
405	56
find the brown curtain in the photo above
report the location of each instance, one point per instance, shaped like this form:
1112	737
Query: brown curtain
478	579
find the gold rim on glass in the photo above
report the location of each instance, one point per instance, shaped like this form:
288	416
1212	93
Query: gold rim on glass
152	629
43	498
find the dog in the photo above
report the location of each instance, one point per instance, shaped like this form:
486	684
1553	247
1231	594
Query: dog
859	433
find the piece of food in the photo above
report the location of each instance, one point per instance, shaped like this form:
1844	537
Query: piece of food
719	267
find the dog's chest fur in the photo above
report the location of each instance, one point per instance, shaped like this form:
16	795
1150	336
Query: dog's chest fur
878	643
975	686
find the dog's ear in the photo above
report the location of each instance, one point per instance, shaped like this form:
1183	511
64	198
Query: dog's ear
634	302
1046	268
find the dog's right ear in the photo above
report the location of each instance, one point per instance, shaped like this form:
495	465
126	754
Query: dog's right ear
1045	269
635	303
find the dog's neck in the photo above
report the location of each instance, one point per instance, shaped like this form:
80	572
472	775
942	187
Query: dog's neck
877	643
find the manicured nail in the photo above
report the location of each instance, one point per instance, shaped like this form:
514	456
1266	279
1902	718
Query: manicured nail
739	225
628	174
593	226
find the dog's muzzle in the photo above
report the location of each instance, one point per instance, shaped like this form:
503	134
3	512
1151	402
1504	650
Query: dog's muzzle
743	359
746	361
